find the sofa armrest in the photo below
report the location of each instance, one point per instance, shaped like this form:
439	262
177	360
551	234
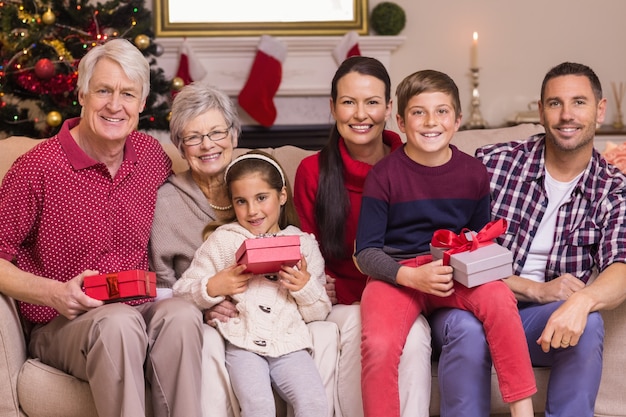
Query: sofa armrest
12	355
612	395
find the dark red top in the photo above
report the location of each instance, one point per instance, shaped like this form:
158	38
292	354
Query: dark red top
350	282
62	213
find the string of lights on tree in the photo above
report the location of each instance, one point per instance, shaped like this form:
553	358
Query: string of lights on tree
41	44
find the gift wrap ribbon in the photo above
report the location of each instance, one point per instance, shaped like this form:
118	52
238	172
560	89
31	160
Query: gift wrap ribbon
467	240
113	285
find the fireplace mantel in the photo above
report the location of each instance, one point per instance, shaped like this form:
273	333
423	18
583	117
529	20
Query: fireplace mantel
307	70
302	98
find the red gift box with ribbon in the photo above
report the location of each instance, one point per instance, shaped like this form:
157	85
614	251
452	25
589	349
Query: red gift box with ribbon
475	257
121	286
265	255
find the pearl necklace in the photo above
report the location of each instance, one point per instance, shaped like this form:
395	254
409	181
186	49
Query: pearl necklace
220	208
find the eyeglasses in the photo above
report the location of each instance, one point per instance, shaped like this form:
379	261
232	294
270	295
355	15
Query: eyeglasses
216	135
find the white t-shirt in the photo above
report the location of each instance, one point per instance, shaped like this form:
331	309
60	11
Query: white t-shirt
558	193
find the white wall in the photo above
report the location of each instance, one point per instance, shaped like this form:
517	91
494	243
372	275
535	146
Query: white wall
519	41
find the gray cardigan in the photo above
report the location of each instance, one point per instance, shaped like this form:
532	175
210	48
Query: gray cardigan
182	211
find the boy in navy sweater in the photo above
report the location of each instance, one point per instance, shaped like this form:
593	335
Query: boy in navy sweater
425	186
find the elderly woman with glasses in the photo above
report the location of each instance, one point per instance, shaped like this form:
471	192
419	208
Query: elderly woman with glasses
205	128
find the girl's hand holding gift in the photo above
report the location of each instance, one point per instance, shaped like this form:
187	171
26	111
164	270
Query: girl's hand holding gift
229	281
294	278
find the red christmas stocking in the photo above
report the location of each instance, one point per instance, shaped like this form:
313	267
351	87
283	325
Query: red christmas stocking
347	47
189	67
257	95
183	68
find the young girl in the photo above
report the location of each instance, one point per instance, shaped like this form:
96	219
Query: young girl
267	344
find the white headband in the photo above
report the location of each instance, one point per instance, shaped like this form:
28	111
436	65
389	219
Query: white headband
256	156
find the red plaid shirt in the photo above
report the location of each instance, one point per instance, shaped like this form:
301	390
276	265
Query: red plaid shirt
590	228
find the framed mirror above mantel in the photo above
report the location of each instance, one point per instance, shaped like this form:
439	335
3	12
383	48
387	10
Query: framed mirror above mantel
253	17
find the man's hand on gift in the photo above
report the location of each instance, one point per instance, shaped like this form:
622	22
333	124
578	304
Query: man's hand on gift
432	278
229	281
69	299
294	278
222	312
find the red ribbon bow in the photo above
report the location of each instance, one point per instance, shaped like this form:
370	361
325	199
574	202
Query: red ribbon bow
467	240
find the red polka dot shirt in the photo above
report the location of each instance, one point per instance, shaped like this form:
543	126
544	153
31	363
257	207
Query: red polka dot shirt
61	212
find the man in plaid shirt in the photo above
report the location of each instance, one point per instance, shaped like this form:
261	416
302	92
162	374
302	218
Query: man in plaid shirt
565	208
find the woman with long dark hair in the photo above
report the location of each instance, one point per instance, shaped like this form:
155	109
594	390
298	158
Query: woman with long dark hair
327	192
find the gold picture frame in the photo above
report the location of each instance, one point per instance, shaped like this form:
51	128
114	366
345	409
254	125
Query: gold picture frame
174	18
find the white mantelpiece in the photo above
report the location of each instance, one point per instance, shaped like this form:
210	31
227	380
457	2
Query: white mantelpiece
307	71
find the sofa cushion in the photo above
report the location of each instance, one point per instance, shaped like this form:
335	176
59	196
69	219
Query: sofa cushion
469	140
289	157
611	400
47	392
12	355
12	147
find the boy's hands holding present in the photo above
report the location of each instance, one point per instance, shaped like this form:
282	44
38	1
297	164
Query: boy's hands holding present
432	278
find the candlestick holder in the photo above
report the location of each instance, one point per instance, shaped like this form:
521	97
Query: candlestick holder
476	120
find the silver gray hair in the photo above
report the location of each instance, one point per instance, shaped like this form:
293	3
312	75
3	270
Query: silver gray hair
195	99
121	51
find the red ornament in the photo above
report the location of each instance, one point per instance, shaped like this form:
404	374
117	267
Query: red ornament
60	84
44	69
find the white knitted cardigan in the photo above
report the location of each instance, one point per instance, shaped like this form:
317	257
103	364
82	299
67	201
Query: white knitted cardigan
271	319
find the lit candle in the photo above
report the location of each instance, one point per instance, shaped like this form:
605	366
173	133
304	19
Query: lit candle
474	52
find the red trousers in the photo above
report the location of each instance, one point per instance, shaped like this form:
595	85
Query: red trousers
388	311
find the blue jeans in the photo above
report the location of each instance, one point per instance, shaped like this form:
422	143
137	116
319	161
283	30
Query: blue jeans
465	364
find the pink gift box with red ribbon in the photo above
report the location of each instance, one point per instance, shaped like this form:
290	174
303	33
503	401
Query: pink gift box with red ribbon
475	257
121	286
265	255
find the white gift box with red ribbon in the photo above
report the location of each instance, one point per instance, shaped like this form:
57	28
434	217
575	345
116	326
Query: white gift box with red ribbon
485	264
475	257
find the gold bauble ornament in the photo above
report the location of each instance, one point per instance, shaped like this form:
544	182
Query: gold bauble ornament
48	17
178	83
142	41
54	118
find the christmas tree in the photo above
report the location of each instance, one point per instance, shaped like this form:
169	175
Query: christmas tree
41	44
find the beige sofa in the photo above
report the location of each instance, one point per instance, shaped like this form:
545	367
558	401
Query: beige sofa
34	389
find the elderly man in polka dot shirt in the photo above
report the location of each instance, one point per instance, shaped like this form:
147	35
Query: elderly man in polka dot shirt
81	203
